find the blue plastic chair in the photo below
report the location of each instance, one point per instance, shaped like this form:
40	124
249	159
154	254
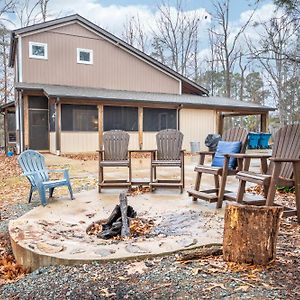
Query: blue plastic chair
34	168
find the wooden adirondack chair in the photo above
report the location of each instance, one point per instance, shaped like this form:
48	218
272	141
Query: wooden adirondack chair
114	154
283	170
218	193
169	153
34	168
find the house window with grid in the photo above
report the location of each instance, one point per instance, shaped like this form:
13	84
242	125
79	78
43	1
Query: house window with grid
84	56
38	50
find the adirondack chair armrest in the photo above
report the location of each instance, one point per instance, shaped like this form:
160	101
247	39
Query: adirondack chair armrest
203	154
282	159
37	178
249	156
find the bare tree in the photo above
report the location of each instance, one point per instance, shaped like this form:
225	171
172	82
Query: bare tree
275	40
134	34
29	12
227	47
176	35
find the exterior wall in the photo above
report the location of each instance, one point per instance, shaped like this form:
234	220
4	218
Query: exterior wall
75	142
149	140
112	68
196	124
52	142
133	140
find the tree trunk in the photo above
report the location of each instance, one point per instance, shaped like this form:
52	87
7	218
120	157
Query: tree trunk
250	233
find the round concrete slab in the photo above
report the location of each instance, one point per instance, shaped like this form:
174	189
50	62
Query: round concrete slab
56	233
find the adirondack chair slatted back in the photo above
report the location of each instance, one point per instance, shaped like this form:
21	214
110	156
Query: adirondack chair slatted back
236	134
169	143
32	161
115	144
286	145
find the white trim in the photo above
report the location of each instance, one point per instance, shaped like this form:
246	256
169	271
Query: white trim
47	28
180	87
20	55
90	62
31	55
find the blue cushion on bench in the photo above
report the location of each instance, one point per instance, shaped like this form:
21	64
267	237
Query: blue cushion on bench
223	148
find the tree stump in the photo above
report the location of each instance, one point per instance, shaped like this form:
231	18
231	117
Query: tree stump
250	233
125	231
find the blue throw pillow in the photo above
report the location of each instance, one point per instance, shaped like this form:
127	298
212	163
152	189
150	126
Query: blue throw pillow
223	148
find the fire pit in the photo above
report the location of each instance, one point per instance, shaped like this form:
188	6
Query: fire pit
121	223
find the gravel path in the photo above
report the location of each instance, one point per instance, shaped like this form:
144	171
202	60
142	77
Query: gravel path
154	279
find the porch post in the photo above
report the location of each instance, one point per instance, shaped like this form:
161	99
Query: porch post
264	122
100	126
5	131
26	122
220	123
58	126
140	124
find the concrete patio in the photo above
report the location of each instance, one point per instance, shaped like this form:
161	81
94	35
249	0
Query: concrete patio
56	234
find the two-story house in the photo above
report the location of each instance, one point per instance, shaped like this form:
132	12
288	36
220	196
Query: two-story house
75	80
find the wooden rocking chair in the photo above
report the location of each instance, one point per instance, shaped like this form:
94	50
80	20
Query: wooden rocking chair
283	170
218	193
114	154
168	154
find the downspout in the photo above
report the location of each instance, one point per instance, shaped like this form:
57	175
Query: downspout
20	66
178	116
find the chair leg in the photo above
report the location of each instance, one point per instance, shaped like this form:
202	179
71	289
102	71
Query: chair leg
273	183
217	184
197	183
100	179
51	190
296	166
222	190
151	178
70	191
42	193
242	185
241	191
30	194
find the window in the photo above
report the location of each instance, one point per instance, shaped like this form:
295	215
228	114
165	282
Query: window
38	50
79	117
123	118
84	56
156	119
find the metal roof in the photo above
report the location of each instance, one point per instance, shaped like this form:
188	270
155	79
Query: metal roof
104	33
185	100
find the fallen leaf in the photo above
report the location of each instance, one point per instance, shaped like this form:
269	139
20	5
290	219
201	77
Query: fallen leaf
216	285
106	293
136	267
242	288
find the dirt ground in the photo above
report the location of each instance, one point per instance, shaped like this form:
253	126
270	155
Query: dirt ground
157	278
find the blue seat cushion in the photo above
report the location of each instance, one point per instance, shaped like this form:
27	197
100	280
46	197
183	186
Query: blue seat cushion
223	148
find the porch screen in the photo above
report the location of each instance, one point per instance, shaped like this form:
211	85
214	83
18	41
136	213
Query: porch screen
156	119
79	117
11	127
122	118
